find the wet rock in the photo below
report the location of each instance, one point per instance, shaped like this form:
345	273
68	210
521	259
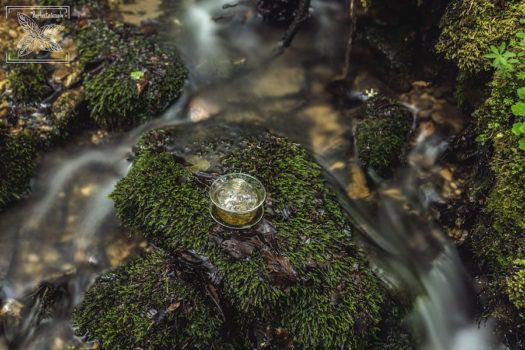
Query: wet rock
392	50
293	265
280	12
66	108
381	138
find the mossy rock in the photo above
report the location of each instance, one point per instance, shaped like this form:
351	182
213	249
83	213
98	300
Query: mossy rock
134	78
498	239
143	304
17	161
469	28
382	136
298	275
28	83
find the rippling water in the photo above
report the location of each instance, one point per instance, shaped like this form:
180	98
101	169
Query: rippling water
67	228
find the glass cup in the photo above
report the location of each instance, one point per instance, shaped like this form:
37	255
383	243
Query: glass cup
237	199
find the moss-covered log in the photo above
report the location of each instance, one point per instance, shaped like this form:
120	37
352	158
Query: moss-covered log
298	276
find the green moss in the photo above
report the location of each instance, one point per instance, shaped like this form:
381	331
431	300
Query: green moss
382	136
516	286
67	111
498	237
144	304
28	83
334	299
470	27
17	161
114	97
499	243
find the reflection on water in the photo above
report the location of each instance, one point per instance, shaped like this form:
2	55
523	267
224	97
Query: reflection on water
68	227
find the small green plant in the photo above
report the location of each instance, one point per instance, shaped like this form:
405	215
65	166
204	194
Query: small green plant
371	92
518	129
509	62
504	60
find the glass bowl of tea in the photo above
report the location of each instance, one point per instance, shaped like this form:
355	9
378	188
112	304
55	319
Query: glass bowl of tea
237	200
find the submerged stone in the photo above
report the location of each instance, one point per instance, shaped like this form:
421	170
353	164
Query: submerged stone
297	277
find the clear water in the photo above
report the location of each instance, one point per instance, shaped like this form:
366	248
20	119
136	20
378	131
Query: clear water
67	227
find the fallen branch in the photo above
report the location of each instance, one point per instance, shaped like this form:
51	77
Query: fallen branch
300	17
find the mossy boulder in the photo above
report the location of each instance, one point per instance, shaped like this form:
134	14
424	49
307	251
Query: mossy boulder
297	277
469	28
382	136
144	304
17	161
131	78
498	239
28	83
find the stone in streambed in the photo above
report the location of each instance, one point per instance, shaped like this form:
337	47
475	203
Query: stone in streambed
381	137
298	275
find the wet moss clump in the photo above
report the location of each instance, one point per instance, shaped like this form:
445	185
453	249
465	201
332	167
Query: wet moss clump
28	83
298	276
17	161
382	136
145	305
131	79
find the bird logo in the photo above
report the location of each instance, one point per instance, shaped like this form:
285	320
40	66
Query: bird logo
37	38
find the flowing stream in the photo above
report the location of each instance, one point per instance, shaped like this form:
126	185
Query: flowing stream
67	227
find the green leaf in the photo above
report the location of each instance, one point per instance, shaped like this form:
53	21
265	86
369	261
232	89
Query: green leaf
494	50
136	75
522	143
519	109
521	93
517	128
